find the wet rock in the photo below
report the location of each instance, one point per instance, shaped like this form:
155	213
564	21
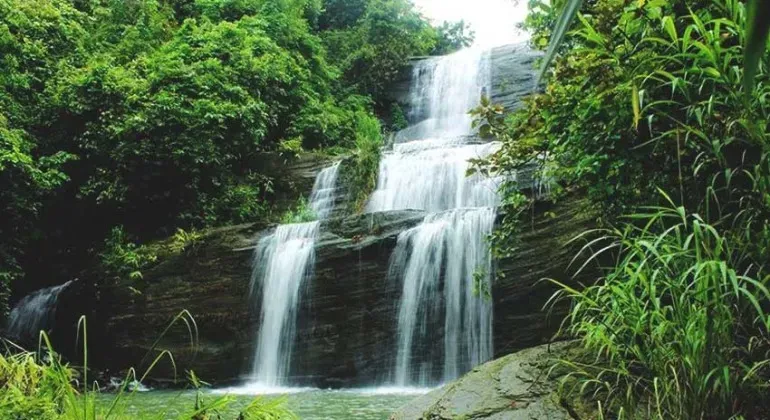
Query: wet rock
346	325
517	386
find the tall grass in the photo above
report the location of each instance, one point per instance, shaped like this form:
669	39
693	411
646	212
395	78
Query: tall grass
41	386
679	327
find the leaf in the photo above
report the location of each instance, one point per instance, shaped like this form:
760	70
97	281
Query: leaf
635	105
756	40
559	31
668	25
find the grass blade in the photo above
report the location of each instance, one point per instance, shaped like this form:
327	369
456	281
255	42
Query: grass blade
756	40
559	32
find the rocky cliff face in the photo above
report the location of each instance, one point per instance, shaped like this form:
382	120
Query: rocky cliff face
346	333
346	330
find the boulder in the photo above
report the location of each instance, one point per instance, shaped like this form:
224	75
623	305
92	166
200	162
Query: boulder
513	74
518	386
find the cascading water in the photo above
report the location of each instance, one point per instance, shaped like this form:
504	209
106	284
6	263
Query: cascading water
444	264
34	313
282	263
324	191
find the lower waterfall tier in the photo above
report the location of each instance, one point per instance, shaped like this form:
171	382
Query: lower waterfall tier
346	331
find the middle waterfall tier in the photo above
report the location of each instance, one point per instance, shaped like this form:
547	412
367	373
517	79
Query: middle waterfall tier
431	175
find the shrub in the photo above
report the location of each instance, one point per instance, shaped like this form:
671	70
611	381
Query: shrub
361	176
301	213
184	241
122	258
678	328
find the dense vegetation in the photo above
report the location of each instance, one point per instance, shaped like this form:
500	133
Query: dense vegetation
645	112
124	120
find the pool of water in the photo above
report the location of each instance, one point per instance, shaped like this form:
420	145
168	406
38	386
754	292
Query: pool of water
312	404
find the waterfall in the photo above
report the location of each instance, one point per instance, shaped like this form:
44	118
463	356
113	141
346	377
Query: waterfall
443	266
283	261
324	191
444	89
34	312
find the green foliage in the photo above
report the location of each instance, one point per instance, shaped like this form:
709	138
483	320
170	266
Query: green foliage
258	408
290	148
34	37
40	386
452	36
648	96
398	120
481	287
29	389
301	213
625	112
123	259
184	241
159	114
677	328
361	176
373	52
757	28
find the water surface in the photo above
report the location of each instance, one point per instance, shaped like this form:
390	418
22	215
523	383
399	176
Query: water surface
311	404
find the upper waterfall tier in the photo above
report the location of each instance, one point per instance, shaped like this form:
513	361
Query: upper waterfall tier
444	324
444	89
322	199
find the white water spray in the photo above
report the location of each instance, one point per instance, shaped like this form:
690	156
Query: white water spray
282	262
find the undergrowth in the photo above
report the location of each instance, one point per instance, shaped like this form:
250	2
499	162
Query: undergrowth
41	386
678	328
301	213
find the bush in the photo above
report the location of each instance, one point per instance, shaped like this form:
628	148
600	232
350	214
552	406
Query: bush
301	213
361	175
30	389
123	259
678	328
